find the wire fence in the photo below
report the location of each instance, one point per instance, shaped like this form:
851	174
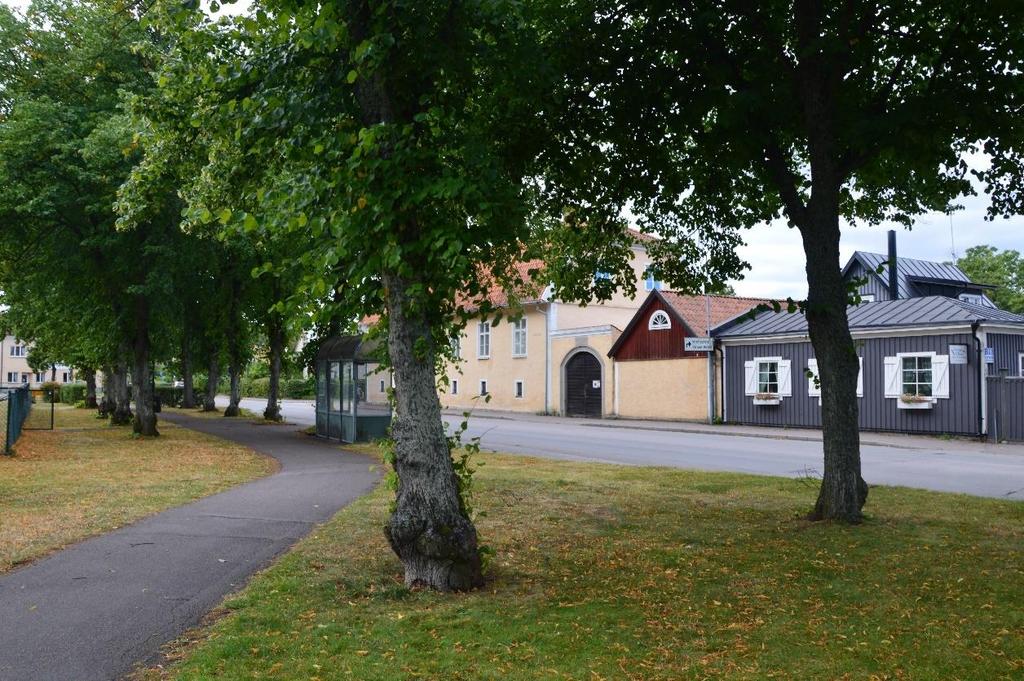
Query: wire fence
14	409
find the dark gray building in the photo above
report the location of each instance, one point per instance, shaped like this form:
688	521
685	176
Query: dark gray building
925	366
911	278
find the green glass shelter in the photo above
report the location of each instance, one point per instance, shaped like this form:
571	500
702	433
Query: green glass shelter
351	391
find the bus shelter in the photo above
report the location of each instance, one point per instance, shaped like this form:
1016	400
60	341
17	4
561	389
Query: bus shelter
351	391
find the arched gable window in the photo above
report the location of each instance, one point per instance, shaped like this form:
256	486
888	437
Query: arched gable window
659	321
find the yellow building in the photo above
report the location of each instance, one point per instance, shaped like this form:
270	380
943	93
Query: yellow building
553	359
16	372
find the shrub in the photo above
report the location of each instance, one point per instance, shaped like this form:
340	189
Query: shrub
51	389
298	388
170	395
255	387
199	385
72	393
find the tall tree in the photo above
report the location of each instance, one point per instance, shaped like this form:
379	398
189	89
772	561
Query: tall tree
1002	269
730	114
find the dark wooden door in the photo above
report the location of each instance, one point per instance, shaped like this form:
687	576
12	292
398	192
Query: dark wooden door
583	388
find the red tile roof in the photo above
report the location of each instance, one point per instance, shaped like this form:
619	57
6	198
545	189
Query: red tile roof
694	308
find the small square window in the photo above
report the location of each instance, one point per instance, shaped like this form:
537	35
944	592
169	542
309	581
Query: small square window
519	390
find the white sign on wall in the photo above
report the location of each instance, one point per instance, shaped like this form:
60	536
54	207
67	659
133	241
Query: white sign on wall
958	354
595	384
990	356
698	344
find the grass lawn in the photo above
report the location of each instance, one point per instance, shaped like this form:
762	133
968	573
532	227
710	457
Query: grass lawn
612	572
87	477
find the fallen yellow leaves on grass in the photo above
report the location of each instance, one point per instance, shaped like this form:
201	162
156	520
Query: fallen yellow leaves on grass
86	477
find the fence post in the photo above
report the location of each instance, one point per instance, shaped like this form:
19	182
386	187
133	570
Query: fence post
7	424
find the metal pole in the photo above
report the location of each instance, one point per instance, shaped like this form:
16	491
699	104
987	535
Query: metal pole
53	398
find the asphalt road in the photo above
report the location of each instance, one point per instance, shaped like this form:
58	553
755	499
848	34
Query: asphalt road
926	464
91	611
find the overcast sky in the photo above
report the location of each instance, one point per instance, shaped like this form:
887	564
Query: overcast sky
776	255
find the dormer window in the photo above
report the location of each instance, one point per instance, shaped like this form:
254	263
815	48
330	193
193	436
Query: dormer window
659	321
972	298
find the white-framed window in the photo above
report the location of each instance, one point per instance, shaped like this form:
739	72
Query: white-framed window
766	376
26	377
519	338
917	376
659	321
814	385
12	376
455	386
456	343
483	340
867	297
65	376
382	386
39	377
1020	364
652	284
483	387
18	351
520	389
972	298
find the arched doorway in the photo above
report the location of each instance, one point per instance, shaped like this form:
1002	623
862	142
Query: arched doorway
583	386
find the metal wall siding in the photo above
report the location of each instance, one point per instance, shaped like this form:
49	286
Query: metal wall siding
873	286
958	414
1007	348
1005	406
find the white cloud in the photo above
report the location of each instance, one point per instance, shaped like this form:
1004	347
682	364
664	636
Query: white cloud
777	261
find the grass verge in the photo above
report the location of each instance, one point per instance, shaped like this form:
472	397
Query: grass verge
86	477
613	572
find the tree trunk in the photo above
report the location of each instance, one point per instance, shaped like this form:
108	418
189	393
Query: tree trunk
843	490
142	377
275	332
212	378
122	414
188	393
106	405
429	528
235	393
90	387
53	373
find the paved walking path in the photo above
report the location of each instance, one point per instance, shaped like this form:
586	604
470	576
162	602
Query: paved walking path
93	610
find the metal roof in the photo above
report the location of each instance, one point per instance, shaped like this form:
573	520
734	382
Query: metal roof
907	268
348	347
924	311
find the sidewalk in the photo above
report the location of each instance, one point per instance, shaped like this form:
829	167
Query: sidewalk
898	440
93	610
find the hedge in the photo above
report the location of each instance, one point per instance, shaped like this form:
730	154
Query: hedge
170	395
72	393
51	389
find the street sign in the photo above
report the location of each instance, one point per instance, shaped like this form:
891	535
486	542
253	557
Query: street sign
990	356
698	344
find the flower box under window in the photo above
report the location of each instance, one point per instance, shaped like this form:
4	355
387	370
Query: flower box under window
767	399
911	401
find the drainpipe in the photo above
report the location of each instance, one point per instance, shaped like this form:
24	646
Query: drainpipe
982	392
547	359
